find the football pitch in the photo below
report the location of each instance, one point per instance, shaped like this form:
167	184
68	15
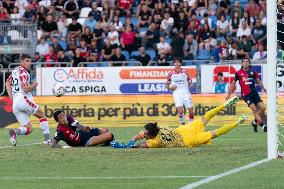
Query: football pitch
33	165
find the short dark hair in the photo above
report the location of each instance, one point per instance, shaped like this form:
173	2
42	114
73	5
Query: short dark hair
56	113
24	56
152	129
246	59
177	59
220	74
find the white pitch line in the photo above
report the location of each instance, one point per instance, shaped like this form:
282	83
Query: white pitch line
98	178
234	139
227	173
11	146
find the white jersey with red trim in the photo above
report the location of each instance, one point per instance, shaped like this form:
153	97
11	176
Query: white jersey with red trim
180	79
19	77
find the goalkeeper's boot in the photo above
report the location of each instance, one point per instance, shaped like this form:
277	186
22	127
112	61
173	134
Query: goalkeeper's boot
242	119
13	137
182	120
264	128
254	125
231	101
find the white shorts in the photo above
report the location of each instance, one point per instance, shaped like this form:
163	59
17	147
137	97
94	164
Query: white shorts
23	106
183	99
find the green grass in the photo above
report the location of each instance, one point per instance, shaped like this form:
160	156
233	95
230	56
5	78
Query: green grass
19	166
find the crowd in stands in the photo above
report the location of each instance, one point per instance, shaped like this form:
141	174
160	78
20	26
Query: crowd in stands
143	30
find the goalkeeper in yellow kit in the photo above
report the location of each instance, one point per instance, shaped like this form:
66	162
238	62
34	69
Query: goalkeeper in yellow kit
190	135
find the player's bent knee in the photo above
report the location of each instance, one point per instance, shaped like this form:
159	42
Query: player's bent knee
39	114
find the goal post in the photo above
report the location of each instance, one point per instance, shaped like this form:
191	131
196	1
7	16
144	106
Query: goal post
271	72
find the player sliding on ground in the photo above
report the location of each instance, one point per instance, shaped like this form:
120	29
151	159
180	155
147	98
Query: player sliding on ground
74	134
189	135
19	89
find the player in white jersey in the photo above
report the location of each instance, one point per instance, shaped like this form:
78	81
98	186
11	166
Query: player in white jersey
179	82
19	89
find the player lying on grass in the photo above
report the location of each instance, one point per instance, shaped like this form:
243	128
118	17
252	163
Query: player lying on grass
74	134
189	135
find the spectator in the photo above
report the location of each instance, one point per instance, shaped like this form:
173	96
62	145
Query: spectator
8	5
49	27
260	54
244	29
237	8
248	19
113	37
71	9
177	44
244	47
94	51
16	17
107	11
36	58
192	29
222	26
144	17
233	51
144	58
206	20
118	58
55	45
263	18
190	48
220	86
50	57
223	51
212	8
163	47
21	4
45	3
42	47
107	51
77	58
52	11
258	32
105	24
124	7
98	35
62	26
203	36
117	24
74	29
59	5
180	24
159	9
87	35
235	23
128	23
162	59
72	46
127	39
253	9
62	58
4	16
152	36
224	7
95	11
90	22
83	49
167	24
29	15
202	7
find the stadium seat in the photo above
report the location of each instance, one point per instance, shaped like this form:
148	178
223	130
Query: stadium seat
134	54
126	54
63	44
134	21
85	12
81	21
203	54
187	62
151	53
122	19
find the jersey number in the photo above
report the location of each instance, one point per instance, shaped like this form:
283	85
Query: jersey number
15	84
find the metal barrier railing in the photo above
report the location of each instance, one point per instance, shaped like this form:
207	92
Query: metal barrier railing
109	63
3	79
18	38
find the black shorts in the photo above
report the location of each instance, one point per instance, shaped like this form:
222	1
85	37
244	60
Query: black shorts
85	136
252	98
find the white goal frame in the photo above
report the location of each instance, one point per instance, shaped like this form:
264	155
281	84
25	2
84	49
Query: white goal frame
272	125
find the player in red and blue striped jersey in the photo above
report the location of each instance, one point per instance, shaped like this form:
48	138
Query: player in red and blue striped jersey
74	134
247	79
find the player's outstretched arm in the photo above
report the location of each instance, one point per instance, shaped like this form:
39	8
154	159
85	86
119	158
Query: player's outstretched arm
261	85
54	144
9	88
231	89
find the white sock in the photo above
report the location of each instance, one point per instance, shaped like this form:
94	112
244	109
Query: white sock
21	131
45	129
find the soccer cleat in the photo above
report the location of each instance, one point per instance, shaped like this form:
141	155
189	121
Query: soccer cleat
264	127
231	101
254	125
47	142
13	137
242	119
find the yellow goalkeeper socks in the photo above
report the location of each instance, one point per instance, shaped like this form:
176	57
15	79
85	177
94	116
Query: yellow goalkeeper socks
225	128
213	112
